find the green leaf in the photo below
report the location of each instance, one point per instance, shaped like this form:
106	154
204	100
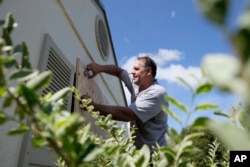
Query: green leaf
18	48
174	135
193	135
93	154
20	130
87	149
246	73
176	103
169	154
61	125
2	76
41	81
38	141
214	10
20	113
67	123
182	146
2	22
241	41
244	118
206	106
10	62
8	28
47	108
9	23
7	101
232	137
2	91
223	70
6	37
200	122
29	94
170	113
60	94
205	88
25	57
76	93
244	19
3	119
221	113
242	37
184	164
190	152
143	158
22	74
184	82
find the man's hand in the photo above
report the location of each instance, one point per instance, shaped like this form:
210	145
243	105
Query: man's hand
95	68
86	101
108	69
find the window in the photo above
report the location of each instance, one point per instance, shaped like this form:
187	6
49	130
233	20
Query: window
102	37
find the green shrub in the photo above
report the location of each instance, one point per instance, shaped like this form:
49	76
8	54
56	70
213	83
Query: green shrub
68	135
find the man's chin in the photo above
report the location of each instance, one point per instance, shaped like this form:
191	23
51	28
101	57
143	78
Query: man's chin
135	82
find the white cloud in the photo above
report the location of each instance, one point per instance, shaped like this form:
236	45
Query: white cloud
169	73
162	57
189	74
128	65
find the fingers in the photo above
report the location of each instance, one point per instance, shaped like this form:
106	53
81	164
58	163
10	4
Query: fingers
86	100
91	66
90	70
85	96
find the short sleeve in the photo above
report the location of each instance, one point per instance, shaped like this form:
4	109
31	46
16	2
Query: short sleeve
148	104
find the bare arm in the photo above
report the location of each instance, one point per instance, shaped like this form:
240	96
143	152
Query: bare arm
108	69
118	113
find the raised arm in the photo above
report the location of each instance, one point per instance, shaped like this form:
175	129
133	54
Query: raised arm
108	69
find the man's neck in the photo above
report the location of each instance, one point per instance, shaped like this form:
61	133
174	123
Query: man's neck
146	85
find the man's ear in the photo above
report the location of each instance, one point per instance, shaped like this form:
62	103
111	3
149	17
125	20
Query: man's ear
149	71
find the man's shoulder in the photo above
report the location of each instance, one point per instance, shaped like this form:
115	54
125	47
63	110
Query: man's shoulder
158	87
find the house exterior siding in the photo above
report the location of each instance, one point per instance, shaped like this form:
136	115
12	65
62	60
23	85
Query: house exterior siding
72	26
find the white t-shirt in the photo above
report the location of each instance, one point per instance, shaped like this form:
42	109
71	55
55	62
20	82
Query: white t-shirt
151	127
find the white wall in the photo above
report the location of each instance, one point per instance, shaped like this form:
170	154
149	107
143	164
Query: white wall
71	24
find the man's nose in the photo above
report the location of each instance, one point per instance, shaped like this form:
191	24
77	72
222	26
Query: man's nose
131	73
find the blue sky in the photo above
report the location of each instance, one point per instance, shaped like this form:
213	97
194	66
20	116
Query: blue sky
177	36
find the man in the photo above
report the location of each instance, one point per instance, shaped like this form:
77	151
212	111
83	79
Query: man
145	110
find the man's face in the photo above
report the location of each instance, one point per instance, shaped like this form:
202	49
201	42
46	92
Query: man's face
139	72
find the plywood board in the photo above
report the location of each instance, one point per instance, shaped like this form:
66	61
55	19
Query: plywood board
88	86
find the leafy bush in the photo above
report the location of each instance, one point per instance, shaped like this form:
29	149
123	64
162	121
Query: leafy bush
69	136
211	152
230	73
